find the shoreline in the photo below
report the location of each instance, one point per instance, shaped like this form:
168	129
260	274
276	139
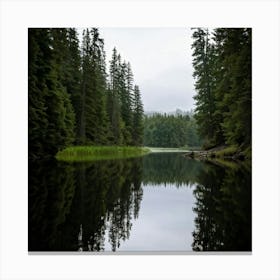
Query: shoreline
228	153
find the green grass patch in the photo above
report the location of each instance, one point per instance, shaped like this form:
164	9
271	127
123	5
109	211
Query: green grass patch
92	153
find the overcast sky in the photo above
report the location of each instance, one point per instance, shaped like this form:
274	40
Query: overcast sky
161	62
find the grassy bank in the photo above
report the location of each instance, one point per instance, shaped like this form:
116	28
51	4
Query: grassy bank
91	153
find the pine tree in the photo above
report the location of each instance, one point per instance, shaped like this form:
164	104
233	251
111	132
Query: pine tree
205	100
125	92
101	124
38	68
70	99
236	46
84	83
162	130
73	78
51	116
113	103
137	133
94	120
65	122
222	70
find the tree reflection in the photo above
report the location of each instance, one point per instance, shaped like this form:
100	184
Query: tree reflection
107	197
166	168
223	208
50	195
79	206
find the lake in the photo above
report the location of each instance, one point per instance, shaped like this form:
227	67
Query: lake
162	202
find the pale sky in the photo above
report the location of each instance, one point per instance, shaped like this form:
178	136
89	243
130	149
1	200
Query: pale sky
161	62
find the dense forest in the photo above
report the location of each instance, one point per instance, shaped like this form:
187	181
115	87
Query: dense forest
162	130
222	72
71	98
74	100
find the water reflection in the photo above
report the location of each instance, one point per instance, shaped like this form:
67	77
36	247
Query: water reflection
88	206
51	192
94	196
223	209
166	168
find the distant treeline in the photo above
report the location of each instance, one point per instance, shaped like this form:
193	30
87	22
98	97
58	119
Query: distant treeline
162	130
72	99
222	69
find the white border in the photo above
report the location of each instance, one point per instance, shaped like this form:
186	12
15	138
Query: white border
17	16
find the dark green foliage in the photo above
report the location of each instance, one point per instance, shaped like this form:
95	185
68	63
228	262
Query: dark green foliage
70	100
73	75
222	68
113	102
124	104
170	131
202	63
237	59
38	69
126	92
51	116
60	109
94	120
137	121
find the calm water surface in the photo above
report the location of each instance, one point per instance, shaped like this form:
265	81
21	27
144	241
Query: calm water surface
160	202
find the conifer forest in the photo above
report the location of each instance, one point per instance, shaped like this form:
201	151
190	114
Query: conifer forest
114	166
73	100
222	64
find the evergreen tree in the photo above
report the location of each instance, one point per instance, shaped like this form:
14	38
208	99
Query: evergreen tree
61	112
99	64
137	118
205	103
94	122
236	50
126	91
70	100
162	130
85	82
38	68
73	78
222	70
51	116
113	104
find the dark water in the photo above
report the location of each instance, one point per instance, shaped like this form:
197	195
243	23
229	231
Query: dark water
161	202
